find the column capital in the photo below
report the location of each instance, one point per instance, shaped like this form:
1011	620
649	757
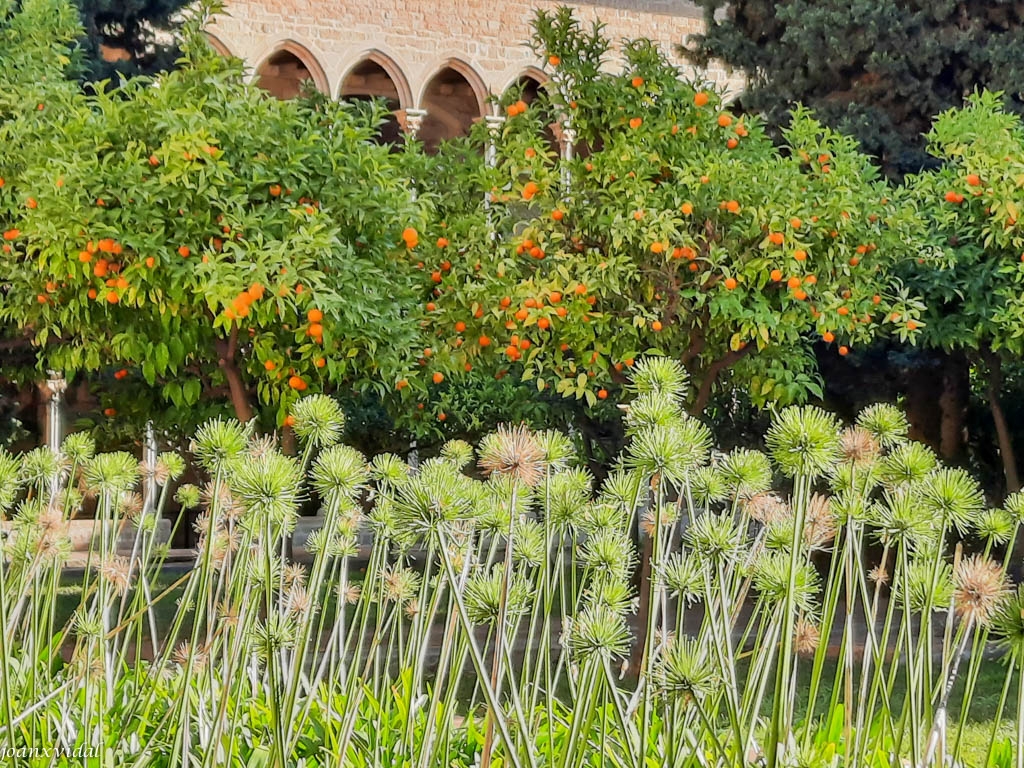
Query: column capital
414	120
494	122
56	383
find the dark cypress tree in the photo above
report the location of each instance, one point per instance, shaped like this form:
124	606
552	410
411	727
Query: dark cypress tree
877	69
128	37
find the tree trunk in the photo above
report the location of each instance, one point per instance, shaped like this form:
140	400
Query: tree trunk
711	376
288	447
239	394
994	379
956	390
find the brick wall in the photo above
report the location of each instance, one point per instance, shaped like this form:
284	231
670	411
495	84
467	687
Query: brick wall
415	39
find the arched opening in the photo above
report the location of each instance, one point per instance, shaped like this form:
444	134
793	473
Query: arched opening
218	45
527	86
453	104
284	74
370	80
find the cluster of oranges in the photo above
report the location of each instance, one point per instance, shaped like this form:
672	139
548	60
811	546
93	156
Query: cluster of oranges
315	328
516	347
532	248
516	108
242	303
973	180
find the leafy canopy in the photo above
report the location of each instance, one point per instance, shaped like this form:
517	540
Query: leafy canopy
676	227
192	231
880	70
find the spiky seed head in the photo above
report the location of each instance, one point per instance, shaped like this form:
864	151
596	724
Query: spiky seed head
109	474
772	581
924	586
617	596
484	595
664	376
857	481
715	537
859	447
169	467
879	574
907	463
269	488
708	486
652	409
567	495
259	445
218	443
388	470
319	420
529	545
671	453
767	508
557	448
994	526
340	472
506	491
79	447
821	524
746	473
682	575
806	637
513	451
953	496
352	594
185	652
685	669
1006	626
665	516
294	573
980	586
598	517
458	453
622	489
116	571
187	496
886	423
804	441
597	631
298	601
900	518
609	554
1014	504
39	467
129	505
276	633
10	480
400	583
411	609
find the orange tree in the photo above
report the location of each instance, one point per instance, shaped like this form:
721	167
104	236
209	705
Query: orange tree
192	236
972	207
676	227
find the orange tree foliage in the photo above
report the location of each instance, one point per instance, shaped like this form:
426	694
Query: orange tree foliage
192	234
677	228
973	208
197	239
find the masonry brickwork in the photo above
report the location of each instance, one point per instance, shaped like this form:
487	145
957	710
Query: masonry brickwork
333	42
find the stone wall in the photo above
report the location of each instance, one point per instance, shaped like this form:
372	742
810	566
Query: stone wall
412	41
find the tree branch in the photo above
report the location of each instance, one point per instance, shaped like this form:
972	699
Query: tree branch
708	382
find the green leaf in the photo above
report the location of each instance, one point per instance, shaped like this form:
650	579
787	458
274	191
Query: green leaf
191	390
